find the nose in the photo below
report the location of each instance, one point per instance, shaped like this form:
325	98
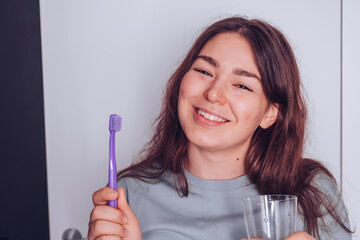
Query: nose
216	93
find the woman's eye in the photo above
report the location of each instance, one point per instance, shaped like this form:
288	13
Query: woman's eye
242	87
202	72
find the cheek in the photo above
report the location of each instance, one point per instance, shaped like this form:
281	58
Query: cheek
245	112
250	111
189	87
184	95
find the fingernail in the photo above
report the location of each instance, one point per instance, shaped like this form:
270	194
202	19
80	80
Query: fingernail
124	219
113	194
126	232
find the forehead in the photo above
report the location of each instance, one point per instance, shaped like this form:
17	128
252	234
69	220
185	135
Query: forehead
231	50
232	40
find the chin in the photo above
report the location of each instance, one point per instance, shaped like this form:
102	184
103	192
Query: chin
206	145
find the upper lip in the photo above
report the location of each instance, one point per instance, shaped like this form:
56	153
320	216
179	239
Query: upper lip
212	113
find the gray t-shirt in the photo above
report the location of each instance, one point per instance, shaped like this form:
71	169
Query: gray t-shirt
212	210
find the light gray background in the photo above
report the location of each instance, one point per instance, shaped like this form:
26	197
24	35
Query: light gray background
115	56
351	110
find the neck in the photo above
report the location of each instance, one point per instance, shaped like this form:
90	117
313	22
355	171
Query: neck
215	165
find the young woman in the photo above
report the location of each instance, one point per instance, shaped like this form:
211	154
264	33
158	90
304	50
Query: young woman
232	125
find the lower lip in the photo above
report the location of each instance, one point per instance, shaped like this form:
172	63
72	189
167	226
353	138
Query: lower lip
205	122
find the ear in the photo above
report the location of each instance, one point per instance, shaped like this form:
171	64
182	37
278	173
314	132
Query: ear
270	116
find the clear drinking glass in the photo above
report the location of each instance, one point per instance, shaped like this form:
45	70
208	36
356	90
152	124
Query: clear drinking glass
270	217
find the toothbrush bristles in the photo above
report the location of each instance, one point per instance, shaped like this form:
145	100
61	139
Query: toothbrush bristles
115	123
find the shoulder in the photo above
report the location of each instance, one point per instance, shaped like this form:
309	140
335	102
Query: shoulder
131	183
327	185
333	208
318	181
142	186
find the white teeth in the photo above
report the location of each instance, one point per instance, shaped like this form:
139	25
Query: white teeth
210	117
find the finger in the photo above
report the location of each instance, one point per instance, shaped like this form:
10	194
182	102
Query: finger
109	213
106	228
252	239
132	221
132	226
103	195
108	237
300	236
103	237
124	206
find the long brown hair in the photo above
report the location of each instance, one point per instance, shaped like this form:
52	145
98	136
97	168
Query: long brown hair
274	162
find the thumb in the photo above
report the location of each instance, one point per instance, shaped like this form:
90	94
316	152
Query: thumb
252	239
124	206
131	225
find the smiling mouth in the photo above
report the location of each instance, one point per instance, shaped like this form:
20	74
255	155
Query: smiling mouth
210	117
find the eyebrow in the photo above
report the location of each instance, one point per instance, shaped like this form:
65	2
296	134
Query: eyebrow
236	71
241	72
209	60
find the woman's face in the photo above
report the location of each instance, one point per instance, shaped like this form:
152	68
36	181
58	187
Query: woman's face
221	99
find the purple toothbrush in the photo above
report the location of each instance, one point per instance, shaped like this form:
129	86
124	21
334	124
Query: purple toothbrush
114	126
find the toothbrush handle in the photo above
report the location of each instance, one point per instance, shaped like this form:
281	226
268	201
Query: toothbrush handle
112	167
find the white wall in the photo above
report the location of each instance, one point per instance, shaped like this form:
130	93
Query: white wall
113	56
351	110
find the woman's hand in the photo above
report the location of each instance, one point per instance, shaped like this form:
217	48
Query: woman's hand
295	236
300	236
108	223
